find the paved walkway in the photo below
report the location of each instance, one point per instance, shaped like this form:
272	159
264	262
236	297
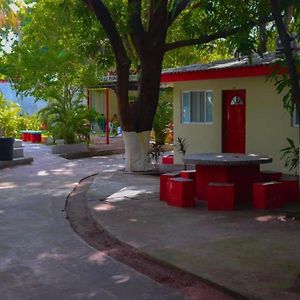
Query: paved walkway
40	255
99	143
254	253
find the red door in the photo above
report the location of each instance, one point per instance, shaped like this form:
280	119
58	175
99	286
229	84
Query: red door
234	121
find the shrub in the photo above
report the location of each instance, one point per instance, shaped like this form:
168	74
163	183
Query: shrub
161	121
68	119
9	118
291	156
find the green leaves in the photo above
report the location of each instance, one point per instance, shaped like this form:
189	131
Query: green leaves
68	118
162	118
181	145
62	44
282	82
11	122
9	117
291	156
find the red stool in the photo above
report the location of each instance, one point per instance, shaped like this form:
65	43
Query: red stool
270	176
168	160
220	196
181	192
25	136
36	138
268	195
163	189
190	174
290	190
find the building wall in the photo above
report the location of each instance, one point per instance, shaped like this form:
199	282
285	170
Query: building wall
97	101
267	123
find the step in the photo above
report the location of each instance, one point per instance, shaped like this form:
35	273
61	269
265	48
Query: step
18	152
16	162
17	143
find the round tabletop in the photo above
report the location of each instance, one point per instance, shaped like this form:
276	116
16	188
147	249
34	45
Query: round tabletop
230	159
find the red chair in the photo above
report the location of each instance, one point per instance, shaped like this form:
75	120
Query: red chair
268	195
190	174
181	192
220	196
163	189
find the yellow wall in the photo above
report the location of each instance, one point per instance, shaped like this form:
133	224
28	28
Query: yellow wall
267	123
97	101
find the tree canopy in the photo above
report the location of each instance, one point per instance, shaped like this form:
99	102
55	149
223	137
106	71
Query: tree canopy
63	43
55	50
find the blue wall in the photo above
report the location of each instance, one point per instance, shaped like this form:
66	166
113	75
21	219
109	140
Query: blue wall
27	103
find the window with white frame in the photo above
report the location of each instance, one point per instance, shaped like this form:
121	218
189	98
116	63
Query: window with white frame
295	119
196	107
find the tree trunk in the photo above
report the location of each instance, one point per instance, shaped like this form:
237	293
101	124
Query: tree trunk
137	130
136	151
262	45
288	53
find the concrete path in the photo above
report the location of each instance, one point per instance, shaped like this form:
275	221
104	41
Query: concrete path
40	256
254	253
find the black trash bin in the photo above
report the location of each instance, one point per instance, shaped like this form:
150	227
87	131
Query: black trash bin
6	148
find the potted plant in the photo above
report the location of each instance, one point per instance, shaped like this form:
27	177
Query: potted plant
6	148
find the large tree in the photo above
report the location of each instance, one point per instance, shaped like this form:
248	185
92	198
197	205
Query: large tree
148	27
290	11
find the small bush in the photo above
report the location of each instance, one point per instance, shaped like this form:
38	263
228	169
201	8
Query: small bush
291	156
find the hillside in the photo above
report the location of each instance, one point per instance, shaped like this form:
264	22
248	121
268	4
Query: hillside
28	104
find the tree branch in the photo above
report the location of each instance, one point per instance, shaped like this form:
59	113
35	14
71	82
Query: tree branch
135	26
158	21
214	36
176	11
103	15
288	52
202	39
123	62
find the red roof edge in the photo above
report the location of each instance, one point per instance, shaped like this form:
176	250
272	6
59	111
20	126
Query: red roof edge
249	71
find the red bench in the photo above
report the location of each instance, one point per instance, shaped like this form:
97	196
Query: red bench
267	176
220	196
181	192
290	189
163	188
31	136
189	174
268	195
168	160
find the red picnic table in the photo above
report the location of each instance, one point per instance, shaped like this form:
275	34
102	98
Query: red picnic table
240	169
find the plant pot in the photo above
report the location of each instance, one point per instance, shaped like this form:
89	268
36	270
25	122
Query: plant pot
6	148
69	148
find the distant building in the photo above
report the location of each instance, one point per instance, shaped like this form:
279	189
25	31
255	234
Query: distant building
28	104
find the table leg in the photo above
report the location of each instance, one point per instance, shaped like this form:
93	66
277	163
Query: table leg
242	176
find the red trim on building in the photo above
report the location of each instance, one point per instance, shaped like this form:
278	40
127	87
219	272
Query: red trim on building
249	71
107	115
3	80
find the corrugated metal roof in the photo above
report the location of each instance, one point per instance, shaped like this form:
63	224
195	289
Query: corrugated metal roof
226	64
